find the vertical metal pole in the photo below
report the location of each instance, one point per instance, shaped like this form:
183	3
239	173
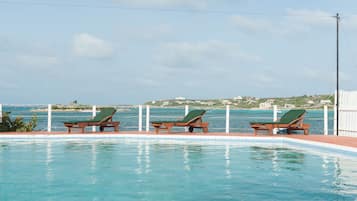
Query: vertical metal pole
94	113
275	117
325	120
186	112
0	113
337	72
335	116
49	118
147	118
227	119
140	118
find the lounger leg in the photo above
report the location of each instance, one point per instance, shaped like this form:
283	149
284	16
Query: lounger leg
205	129
306	131
116	128
270	129
69	129
82	129
157	130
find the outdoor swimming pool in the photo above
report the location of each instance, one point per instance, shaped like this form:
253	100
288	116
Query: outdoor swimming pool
142	169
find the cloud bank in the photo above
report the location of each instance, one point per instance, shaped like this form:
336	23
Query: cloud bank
86	45
205	54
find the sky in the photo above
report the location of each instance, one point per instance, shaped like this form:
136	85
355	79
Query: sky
133	51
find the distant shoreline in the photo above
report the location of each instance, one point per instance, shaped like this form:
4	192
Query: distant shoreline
71	110
63	110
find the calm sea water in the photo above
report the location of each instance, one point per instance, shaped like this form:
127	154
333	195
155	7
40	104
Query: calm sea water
239	119
151	170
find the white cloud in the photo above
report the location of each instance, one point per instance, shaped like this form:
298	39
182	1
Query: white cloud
197	4
36	60
87	45
251	24
157	32
264	78
310	17
318	74
294	21
202	54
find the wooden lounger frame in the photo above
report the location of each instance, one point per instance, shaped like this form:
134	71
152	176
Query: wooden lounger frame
106	122
295	125
194	123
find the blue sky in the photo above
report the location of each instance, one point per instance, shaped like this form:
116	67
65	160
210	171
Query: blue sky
132	51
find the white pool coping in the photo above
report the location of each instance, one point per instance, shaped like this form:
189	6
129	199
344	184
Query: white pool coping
263	139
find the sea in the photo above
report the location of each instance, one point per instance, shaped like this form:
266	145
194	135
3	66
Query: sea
129	118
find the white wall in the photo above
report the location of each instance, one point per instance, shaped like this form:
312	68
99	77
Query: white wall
347	113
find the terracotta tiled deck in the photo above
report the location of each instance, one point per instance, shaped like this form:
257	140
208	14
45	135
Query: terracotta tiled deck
336	140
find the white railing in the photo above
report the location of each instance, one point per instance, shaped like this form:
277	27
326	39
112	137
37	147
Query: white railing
227	118
325	120
49	118
140	118
94	113
219	120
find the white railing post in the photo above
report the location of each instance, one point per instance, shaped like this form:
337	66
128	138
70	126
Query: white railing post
186	112
147	118
140	118
227	118
275	113
275	117
94	113
325	120
186	109
49	118
0	113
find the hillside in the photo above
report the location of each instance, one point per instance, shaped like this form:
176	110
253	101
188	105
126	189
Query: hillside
248	102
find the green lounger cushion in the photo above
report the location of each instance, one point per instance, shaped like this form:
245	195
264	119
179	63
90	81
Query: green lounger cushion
287	118
291	116
189	117
104	113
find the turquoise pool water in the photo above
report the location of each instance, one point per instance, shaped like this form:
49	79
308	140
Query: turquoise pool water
170	170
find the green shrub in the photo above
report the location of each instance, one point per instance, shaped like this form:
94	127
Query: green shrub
18	124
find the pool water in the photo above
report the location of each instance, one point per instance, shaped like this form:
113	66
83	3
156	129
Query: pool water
169	170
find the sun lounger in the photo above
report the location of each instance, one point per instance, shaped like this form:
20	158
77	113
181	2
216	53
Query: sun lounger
291	120
103	119
192	120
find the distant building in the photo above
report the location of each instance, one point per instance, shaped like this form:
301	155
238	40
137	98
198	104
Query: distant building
271	101
325	102
238	98
226	102
180	98
265	105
